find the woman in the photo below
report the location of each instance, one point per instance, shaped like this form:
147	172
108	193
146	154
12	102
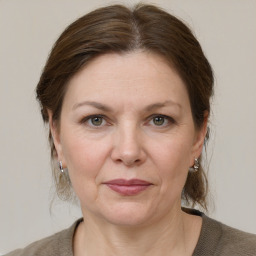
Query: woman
126	93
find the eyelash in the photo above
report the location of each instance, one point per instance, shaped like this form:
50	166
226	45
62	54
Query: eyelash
169	120
88	118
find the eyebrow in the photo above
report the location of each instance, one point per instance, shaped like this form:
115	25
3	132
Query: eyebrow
93	104
106	108
161	105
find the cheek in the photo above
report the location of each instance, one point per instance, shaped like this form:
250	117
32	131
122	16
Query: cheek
84	159
172	159
80	150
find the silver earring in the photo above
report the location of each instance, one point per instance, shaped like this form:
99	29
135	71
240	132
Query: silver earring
61	167
195	167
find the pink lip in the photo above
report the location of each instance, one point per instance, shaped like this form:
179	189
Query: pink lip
128	187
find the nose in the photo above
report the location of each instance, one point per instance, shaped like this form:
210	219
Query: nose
128	147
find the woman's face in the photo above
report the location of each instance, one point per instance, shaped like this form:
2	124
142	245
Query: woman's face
127	138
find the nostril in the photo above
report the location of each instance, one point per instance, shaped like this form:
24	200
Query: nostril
127	147
127	160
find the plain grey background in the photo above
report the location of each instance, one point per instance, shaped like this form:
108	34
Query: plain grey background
28	29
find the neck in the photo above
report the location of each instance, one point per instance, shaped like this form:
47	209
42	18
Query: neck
174	234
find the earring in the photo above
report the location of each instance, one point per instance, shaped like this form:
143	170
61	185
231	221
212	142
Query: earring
195	167
61	167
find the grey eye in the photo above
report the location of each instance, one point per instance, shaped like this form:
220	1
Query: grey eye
96	121
158	120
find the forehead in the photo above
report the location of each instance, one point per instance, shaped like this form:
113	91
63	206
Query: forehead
121	66
137	77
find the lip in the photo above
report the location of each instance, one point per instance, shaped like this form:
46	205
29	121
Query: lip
128	187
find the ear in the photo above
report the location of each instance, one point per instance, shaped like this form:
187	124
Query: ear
199	140
55	132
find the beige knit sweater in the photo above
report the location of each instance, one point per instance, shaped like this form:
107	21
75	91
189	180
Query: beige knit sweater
215	239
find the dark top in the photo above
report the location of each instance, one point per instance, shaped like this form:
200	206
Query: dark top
215	239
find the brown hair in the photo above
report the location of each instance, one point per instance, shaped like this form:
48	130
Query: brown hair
119	29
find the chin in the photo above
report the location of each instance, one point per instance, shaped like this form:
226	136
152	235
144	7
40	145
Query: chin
128	214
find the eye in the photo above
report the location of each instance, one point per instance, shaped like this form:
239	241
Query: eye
161	120
158	120
94	121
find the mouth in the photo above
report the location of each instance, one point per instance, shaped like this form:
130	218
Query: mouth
128	187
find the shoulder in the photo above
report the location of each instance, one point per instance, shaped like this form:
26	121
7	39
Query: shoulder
55	245
48	245
237	242
217	238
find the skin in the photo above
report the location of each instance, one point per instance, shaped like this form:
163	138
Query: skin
142	128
